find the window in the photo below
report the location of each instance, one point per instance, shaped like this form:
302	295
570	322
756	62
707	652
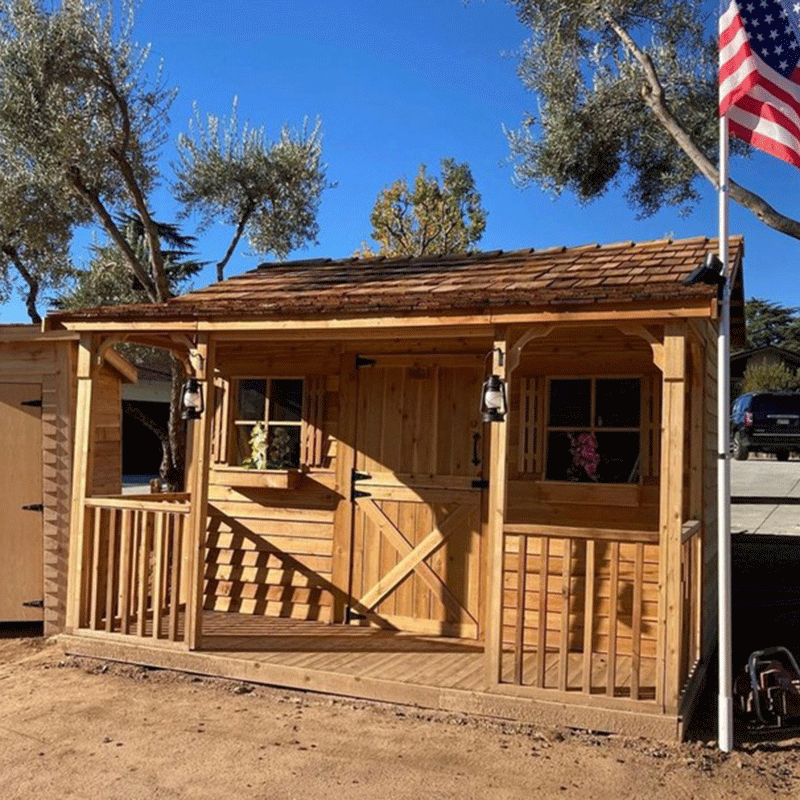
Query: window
267	422
593	430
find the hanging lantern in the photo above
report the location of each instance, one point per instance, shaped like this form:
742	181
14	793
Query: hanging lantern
493	402
192	401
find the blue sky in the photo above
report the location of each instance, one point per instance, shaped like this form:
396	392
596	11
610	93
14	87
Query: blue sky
397	84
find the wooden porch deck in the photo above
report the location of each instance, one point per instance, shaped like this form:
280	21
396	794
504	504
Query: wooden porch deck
369	663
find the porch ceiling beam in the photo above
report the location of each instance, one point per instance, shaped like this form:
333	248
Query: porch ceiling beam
429	545
404	547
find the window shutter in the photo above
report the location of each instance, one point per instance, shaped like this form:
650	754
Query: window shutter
531	416
313	421
219	440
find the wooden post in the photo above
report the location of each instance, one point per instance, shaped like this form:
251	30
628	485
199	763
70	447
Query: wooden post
673	415
81	483
197	472
345	462
498	446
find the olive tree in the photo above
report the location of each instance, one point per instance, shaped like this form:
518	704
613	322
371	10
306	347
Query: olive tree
626	94
268	191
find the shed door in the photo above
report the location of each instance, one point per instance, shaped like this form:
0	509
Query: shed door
416	558
21	533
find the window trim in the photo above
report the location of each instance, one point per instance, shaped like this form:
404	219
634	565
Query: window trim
592	427
233	423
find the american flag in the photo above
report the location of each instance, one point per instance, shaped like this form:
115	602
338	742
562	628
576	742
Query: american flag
759	78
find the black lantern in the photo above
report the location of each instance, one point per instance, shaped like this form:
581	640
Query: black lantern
493	401
192	401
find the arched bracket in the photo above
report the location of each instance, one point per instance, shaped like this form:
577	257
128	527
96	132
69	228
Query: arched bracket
635	329
515	351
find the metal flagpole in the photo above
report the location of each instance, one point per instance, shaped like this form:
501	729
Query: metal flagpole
725	696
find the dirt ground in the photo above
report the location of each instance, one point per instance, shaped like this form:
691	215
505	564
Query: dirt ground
72	728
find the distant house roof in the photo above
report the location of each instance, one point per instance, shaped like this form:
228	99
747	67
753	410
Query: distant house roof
607	275
740	360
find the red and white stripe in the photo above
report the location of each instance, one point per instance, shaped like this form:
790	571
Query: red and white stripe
763	107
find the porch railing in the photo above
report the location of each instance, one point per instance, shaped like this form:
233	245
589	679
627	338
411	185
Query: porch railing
134	580
581	611
691	599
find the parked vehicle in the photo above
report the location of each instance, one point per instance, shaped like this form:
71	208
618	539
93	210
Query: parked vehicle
765	422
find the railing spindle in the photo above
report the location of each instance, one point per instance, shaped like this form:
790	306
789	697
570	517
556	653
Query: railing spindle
541	646
566	594
519	645
588	616
636	621
611	674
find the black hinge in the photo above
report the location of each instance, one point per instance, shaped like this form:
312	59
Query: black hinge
34	507
34	403
480	483
34	603
355	475
363	361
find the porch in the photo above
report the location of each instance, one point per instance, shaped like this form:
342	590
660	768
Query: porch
432	672
554	667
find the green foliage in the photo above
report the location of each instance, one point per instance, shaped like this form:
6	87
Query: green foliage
593	128
765	377
268	190
107	281
772	324
81	119
429	218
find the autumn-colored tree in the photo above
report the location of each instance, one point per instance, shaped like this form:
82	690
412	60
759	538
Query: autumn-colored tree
429	217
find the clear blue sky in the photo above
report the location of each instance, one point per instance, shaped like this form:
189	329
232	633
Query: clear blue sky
397	84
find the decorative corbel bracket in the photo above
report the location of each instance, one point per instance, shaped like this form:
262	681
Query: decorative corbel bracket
515	351
636	329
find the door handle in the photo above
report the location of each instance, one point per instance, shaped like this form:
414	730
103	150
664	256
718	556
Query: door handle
476	437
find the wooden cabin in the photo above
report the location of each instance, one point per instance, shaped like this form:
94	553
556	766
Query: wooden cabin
350	523
37	414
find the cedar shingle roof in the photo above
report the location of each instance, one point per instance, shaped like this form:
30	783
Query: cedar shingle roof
473	282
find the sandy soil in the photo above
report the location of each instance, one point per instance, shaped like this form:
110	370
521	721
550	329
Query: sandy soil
73	728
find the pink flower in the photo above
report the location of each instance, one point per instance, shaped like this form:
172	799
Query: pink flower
584	453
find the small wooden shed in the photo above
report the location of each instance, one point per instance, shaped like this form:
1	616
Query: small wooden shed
37	413
350	523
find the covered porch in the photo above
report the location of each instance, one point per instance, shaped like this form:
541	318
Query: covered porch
412	553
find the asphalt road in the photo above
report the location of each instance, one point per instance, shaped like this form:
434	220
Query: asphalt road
761	477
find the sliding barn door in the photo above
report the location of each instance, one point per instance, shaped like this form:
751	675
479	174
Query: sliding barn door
417	488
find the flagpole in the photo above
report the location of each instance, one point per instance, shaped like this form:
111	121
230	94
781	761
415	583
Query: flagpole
725	648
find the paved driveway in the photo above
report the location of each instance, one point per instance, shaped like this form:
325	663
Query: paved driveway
759	477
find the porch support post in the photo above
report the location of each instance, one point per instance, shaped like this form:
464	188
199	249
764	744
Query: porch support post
82	470
671	501
498	446
345	462
198	453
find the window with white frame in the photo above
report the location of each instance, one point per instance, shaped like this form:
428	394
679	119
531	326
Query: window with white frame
593	430
267	423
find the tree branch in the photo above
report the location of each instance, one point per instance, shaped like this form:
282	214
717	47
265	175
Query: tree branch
235	241
159	278
653	96
32	281
75	180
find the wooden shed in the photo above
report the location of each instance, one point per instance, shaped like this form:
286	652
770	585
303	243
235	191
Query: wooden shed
37	413
351	525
